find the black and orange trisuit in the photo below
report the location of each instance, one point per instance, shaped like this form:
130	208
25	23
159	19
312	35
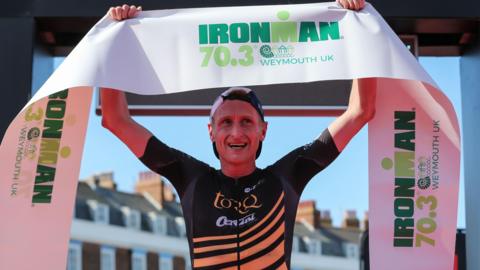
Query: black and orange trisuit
244	223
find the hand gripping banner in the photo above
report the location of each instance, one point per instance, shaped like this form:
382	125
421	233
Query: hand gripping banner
413	187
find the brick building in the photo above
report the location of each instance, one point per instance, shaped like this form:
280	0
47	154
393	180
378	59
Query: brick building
114	230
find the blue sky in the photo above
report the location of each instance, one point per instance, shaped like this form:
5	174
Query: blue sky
340	187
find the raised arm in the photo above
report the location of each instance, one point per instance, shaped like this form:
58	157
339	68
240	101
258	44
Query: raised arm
115	115
361	109
117	119
361	105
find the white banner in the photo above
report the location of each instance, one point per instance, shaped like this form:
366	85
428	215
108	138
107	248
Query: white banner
179	50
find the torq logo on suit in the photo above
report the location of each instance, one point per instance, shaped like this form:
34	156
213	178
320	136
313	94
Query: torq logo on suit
242	207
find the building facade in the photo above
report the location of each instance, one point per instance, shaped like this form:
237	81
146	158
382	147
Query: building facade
145	230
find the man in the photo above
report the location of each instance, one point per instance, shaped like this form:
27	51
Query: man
239	216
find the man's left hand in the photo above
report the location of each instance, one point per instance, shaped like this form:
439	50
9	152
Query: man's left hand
352	4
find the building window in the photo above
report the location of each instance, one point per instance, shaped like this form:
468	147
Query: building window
74	210
296	244
139	260
314	246
165	261
99	212
188	263
107	258
131	218
102	214
158	223
74	259
180	222
351	250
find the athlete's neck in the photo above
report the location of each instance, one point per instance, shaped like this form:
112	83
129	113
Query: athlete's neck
237	170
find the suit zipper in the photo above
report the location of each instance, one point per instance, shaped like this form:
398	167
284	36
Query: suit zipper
238	228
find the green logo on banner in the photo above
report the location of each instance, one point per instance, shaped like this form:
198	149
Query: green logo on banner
407	232
266	51
268	32
50	137
215	38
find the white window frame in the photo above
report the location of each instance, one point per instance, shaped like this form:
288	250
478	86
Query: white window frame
74	211
75	248
107	253
296	244
99	210
314	246
180	222
188	263
351	250
139	260
165	261
318	247
102	211
132	218
158	223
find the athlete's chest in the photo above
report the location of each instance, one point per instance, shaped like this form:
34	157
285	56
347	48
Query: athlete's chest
223	207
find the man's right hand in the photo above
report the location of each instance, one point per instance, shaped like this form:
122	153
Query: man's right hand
124	12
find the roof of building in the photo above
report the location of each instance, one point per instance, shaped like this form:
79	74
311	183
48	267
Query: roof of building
85	192
332	244
332	239
352	235
116	200
303	230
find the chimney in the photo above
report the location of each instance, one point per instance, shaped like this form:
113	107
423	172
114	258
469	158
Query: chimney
104	180
325	219
154	184
365	221
308	213
350	220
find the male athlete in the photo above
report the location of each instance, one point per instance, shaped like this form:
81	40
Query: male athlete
239	217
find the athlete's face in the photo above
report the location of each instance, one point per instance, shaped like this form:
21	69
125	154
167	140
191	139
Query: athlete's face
237	130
